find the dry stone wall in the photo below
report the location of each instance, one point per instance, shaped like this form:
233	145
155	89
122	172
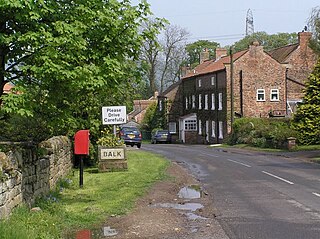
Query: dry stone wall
28	172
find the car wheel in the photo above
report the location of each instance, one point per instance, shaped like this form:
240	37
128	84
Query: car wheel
139	146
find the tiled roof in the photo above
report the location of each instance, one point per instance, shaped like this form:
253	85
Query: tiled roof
7	87
170	88
213	65
281	54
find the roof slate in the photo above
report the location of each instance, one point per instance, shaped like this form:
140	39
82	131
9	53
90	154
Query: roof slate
281	54
213	65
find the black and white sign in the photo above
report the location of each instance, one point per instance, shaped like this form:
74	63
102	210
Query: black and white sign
114	115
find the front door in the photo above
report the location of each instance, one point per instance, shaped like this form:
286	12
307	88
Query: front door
187	123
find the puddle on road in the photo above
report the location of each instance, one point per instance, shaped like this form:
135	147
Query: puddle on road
190	192
96	233
192	216
185	206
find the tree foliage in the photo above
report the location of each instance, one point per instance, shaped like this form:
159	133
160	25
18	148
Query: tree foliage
172	55
307	117
152	118
68	58
269	42
194	49
314	25
162	57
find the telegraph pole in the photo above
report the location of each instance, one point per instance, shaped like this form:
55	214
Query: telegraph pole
231	89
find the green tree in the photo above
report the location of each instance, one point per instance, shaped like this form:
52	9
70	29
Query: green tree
307	118
269	42
68	58
152	118
194	49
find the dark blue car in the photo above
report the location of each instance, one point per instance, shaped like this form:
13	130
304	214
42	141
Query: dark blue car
161	136
131	136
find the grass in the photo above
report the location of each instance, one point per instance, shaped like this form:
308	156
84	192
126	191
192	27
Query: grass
74	208
297	148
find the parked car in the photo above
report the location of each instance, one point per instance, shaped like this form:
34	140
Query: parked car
161	136
131	136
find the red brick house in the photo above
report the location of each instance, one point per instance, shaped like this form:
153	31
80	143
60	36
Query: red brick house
140	107
265	84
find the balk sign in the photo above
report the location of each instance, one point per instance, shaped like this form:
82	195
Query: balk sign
112	159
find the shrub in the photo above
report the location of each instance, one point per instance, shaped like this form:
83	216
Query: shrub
108	139
264	133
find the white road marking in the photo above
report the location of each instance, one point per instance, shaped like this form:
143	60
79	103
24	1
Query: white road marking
243	164
316	194
210	155
277	177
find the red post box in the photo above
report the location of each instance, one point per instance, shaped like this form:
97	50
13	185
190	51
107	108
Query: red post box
81	142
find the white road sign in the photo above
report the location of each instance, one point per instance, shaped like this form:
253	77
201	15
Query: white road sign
114	115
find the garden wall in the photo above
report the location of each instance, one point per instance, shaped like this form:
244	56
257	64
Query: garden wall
28	171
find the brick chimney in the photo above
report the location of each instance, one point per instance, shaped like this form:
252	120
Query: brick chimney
220	52
185	70
204	55
255	48
304	38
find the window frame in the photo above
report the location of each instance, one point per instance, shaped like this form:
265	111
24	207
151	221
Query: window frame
206	102
190	125
187	103
220	130
213	101
193	101
262	92
172	127
277	95
213	129
220	96
213	80
200	127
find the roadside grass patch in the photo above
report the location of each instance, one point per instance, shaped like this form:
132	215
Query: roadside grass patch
71	208
249	147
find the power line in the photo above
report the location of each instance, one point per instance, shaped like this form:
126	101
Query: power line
219	38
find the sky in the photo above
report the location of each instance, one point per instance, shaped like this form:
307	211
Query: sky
225	21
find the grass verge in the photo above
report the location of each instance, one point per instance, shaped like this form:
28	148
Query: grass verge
246	146
71	208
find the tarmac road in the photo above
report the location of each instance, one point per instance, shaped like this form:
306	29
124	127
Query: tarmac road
258	195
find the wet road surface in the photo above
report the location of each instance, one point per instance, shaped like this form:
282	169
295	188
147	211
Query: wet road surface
257	195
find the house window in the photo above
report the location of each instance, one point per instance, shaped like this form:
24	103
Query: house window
160	105
200	128
193	101
220	101
274	95
199	83
207	130
173	127
213	129
206	102
187	103
220	130
200	101
260	95
190	125
213	102
213	80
